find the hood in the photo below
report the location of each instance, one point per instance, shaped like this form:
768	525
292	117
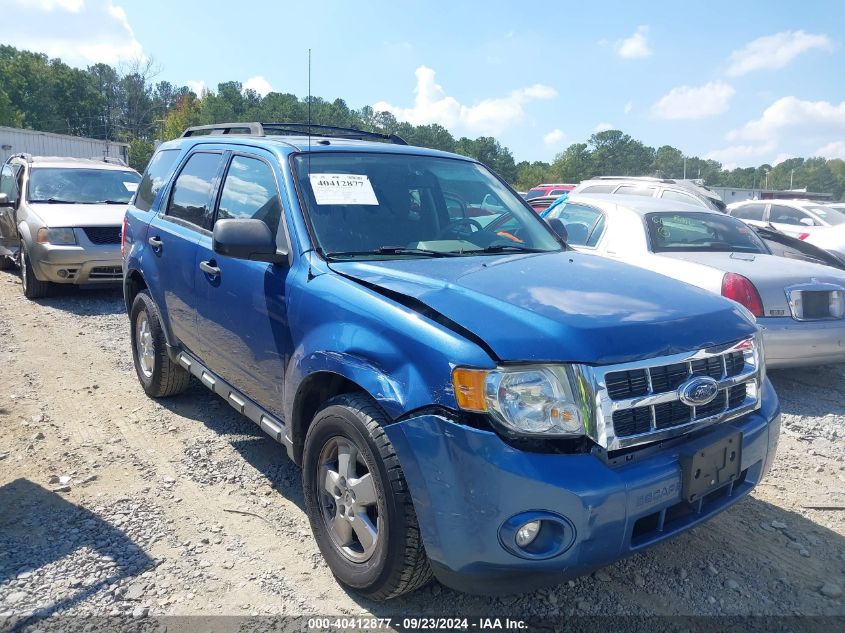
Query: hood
770	274
561	307
61	215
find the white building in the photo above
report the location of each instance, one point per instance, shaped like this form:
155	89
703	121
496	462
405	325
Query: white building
17	141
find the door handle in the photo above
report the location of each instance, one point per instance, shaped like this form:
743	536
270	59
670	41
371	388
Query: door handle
209	268
156	243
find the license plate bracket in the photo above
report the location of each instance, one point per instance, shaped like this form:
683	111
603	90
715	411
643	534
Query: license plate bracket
710	463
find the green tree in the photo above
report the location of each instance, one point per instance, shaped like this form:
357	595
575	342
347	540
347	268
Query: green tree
140	152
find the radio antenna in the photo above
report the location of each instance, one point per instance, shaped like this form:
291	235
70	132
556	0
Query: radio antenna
309	111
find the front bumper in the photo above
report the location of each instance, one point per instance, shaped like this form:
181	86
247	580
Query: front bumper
466	483
791	343
89	264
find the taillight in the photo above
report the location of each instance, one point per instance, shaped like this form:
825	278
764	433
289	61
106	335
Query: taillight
123	236
741	290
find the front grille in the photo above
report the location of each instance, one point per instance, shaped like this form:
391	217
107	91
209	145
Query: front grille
103	234
640	402
106	272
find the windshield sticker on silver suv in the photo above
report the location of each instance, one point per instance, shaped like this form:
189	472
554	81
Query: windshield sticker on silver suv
343	189
131	187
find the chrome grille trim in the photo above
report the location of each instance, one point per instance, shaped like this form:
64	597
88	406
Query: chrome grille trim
602	430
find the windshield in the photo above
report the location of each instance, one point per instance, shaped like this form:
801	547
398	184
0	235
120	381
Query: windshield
395	205
831	215
700	232
82	186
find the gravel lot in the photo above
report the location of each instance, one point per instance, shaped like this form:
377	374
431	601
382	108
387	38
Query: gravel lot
113	504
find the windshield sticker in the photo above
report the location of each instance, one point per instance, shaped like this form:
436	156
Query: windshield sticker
343	189
131	187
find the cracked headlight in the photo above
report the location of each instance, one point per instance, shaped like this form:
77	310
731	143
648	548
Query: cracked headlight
535	400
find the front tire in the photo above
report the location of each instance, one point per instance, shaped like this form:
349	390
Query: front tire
358	502
159	376
33	288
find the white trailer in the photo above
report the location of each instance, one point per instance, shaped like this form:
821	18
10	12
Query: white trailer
17	141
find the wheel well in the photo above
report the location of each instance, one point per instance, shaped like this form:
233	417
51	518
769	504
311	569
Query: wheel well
132	286
314	391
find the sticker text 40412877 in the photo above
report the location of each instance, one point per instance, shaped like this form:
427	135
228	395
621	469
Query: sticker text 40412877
343	189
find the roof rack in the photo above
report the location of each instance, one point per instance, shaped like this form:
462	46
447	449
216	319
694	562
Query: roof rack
294	129
643	178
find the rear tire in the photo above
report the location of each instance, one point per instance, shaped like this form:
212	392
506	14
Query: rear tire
391	560
159	376
33	288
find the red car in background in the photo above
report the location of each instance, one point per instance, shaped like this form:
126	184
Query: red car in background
554	189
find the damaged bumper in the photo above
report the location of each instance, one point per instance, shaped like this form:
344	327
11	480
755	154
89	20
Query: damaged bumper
471	490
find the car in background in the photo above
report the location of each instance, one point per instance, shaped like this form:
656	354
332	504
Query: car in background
548	190
799	305
822	225
542	204
61	219
839	206
686	191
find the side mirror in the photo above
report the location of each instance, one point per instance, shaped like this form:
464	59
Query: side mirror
246	239
5	202
807	222
559	228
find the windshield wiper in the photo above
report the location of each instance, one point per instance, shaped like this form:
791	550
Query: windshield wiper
54	201
108	202
392	250
502	248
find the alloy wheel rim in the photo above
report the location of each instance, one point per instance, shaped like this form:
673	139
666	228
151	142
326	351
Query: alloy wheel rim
144	345
348	500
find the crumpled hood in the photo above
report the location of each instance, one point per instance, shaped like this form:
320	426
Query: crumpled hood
61	215
561	306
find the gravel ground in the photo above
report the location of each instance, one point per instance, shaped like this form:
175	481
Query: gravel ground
112	504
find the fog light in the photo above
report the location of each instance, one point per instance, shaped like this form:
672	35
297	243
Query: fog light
62	273
527	533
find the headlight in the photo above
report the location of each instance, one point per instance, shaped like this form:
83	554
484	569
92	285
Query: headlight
536	400
61	237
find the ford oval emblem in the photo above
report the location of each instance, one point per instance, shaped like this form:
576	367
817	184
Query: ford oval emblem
698	391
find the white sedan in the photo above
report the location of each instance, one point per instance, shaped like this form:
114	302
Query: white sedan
799	305
822	225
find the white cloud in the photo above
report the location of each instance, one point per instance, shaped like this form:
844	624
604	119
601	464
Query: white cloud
628	107
636	46
836	149
743	155
694	102
604	127
259	84
793	116
489	116
780	158
74	6
197	86
775	51
555	137
78	32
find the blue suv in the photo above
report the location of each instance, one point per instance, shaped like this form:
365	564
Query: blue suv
466	396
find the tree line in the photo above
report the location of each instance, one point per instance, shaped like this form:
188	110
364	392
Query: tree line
129	104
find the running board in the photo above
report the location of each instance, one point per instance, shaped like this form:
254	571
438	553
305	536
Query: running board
271	425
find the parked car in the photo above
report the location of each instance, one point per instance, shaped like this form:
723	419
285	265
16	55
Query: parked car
548	190
60	219
685	191
819	224
542	204
799	305
467	397
784	245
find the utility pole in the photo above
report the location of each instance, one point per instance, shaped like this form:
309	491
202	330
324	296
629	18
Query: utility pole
791	174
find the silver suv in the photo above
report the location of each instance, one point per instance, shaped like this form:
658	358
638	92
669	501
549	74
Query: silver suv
688	191
61	219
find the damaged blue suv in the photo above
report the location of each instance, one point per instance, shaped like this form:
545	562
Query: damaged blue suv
467	397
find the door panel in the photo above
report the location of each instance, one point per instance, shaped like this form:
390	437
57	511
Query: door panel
242	305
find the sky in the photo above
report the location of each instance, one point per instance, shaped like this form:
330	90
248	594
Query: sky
744	83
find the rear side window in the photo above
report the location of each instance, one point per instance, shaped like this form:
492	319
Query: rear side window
598	189
249	191
191	197
155	176
584	225
631	190
749	212
8	184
